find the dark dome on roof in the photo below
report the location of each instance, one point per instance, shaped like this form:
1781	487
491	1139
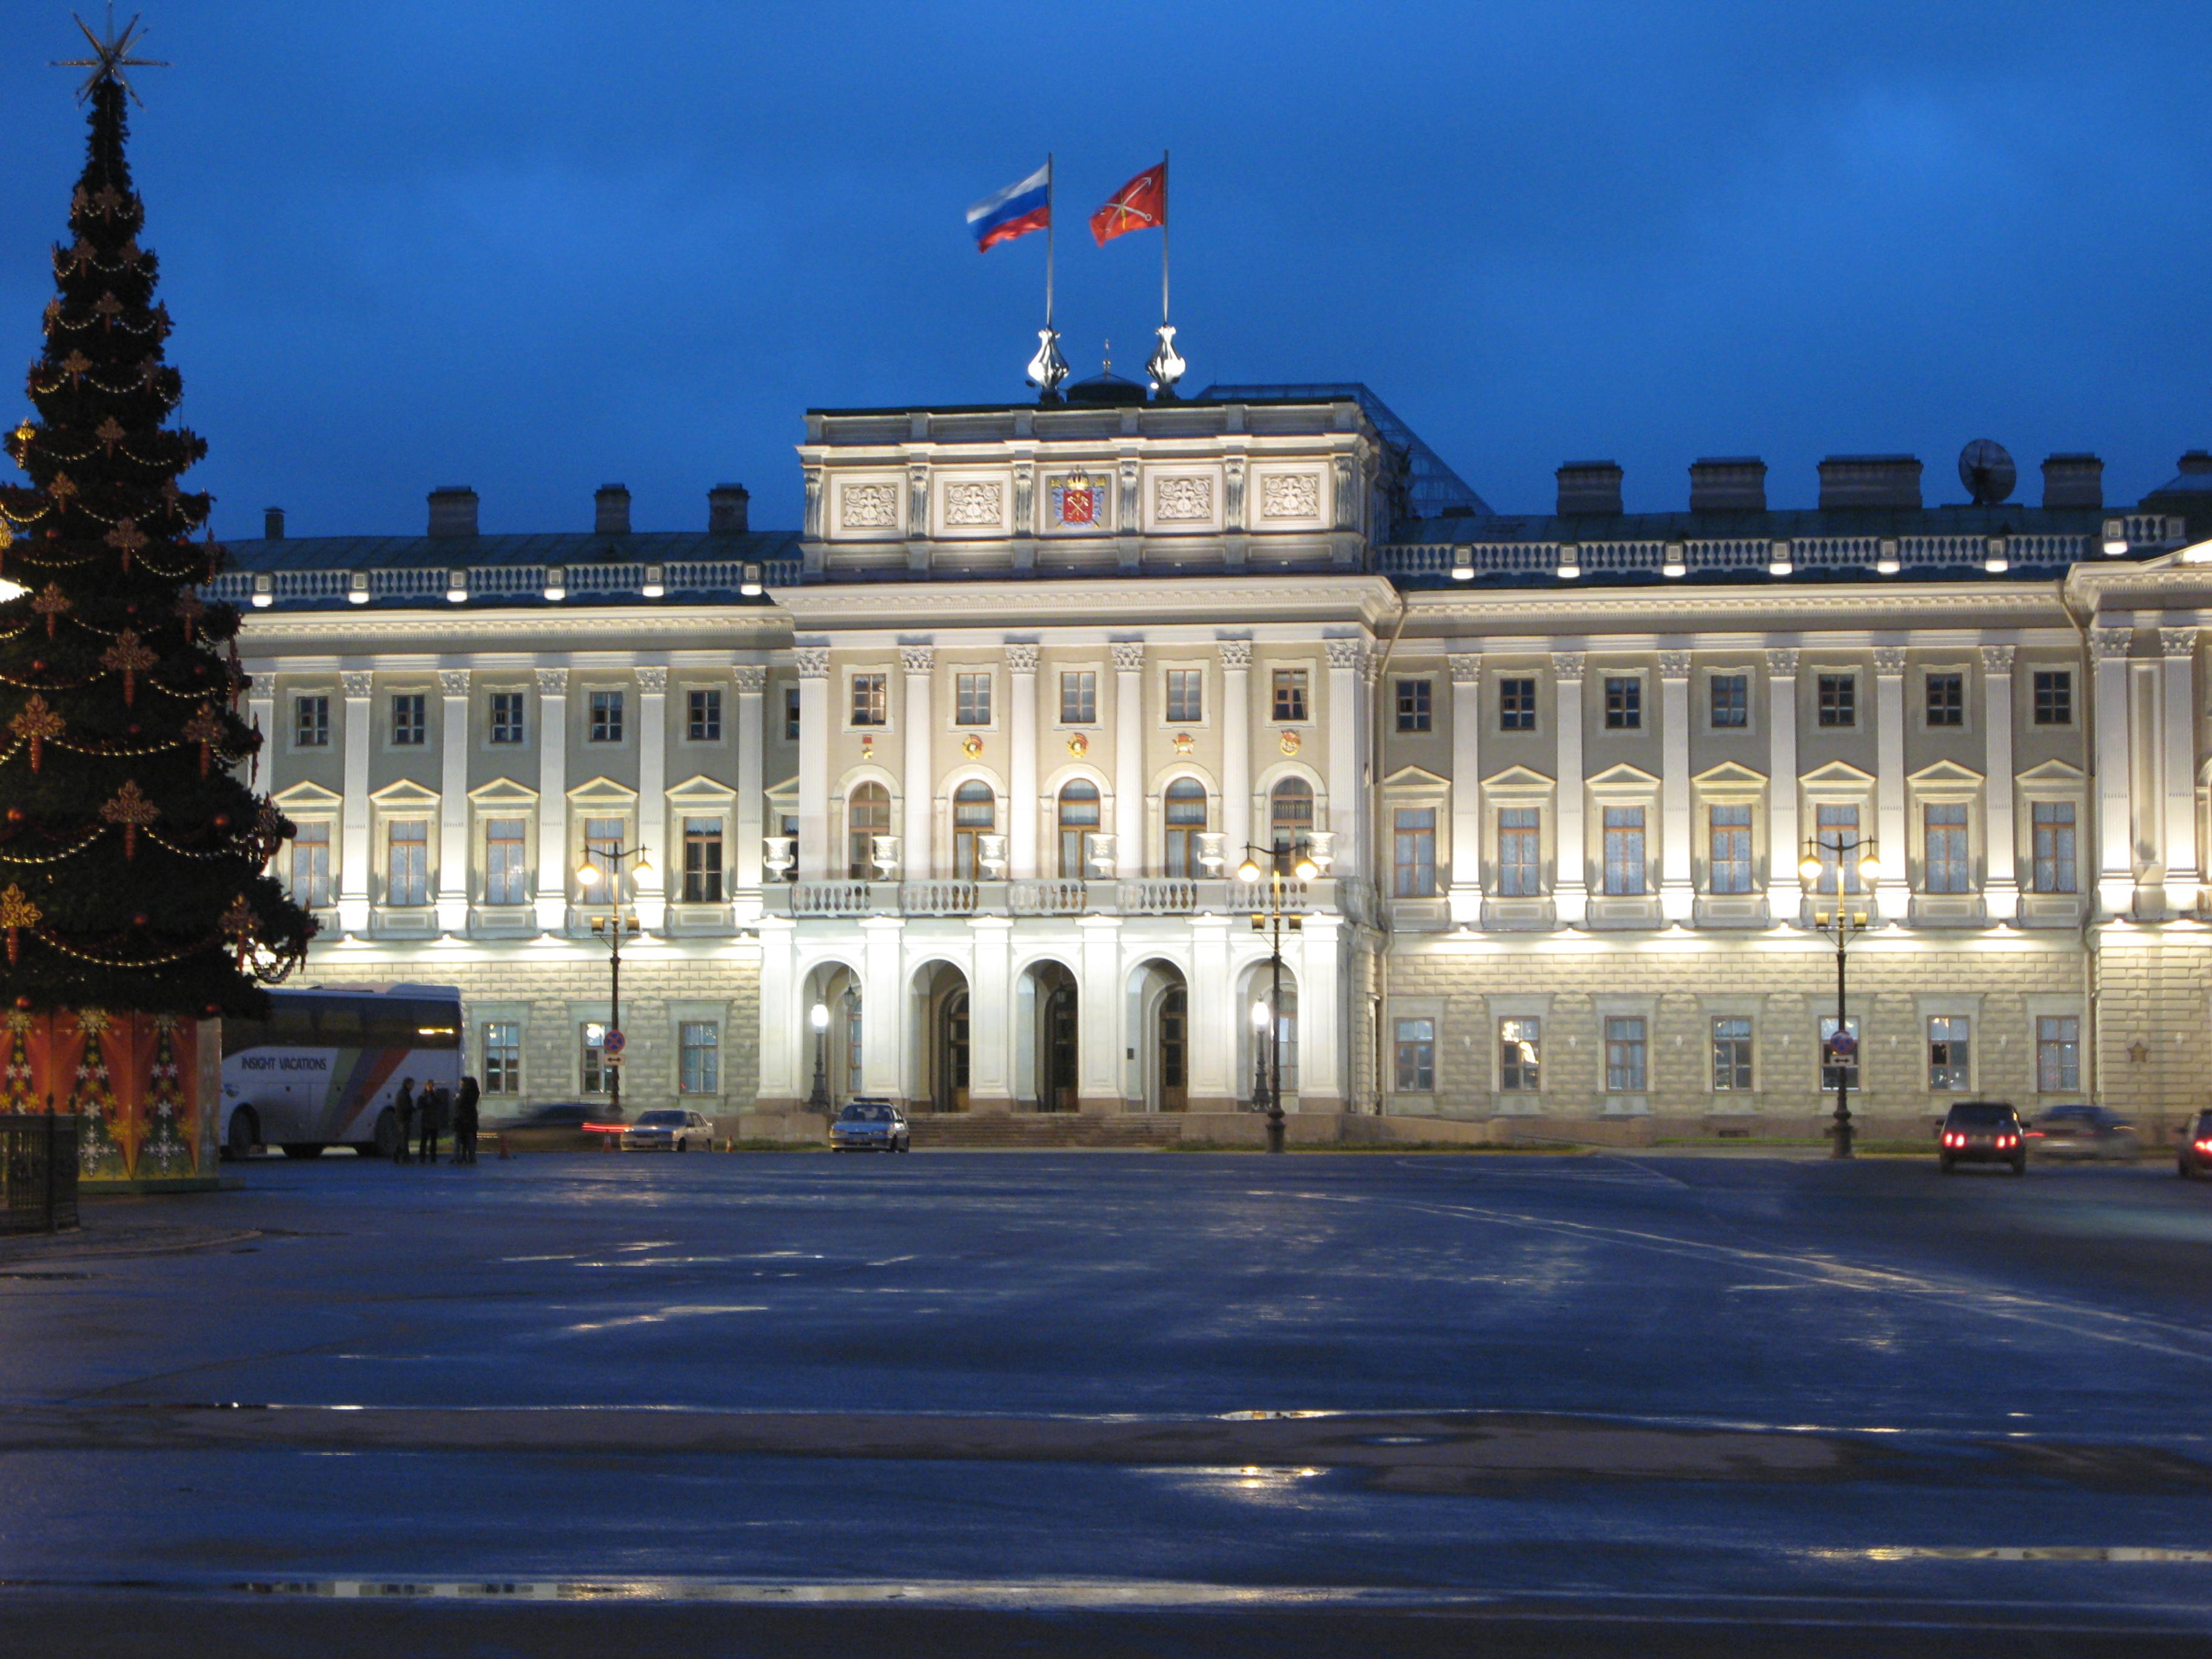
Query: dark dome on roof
1106	388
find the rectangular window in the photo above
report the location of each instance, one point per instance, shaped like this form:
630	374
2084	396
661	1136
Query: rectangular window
407	868
1834	827
1624	1054
2054	846
1289	693
790	713
1517	705
1417	1056
1079	697
1185	695
1832	1065
411	725
702	861
1624	702
507	717
703	715
1837	700
311	722
1947	1067
606	717
1520	1052
699	1057
603	841
1623	849
1945	697
2057	1055
1731	701
1519	852
1729	868
869	705
1413	834
1949	869
1413	705
1731	1055
311	865
2054	697
507	875
592	1062
502	1057
971	699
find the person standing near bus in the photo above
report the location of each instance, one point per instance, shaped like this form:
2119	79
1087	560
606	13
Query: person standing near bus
433	1111
464	1121
402	1104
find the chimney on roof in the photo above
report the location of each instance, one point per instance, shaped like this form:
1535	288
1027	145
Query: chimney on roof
2197	461
453	510
1735	483
727	506
1590	487
272	524
610	510
2073	481
1871	480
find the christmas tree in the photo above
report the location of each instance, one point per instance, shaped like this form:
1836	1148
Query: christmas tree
132	858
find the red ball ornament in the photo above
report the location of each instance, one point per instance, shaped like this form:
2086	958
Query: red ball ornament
132	730
37	664
212	1009
222	820
14	815
22	1002
139	920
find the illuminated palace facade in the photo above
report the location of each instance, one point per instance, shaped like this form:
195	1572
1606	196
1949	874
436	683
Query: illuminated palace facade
969	763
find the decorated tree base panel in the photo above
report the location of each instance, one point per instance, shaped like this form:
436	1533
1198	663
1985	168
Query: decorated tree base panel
148	1087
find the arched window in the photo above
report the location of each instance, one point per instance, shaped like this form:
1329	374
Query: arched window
1078	822
974	814
1186	823
1290	813
867	814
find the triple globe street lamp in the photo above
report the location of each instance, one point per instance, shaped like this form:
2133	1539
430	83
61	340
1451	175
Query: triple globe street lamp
1844	923
611	929
1268	1012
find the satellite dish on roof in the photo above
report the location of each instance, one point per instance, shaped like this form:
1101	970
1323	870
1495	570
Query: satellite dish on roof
1987	471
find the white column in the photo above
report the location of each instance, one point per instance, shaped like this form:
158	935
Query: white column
1021	763
2146	797
2116	870
1466	787
1889	776
1571	887
1212	1048
813	661
1677	897
1100	1005
752	739
1130	852
653	797
991	1008
353	831
261	714
1236	749
2001	877
1321	1015
1782	831
886	1010
453	801
552	800
2184	872
919	776
1347	795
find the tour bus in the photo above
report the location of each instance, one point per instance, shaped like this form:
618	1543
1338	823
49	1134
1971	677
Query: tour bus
322	1069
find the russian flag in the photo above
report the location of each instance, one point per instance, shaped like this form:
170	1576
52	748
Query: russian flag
1014	212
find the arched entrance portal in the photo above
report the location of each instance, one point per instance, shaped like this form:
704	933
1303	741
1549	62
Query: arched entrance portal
1045	1074
1160	1016
836	989
941	1013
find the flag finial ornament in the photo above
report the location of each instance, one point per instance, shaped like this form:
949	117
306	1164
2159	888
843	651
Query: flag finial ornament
112	56
1047	368
1165	366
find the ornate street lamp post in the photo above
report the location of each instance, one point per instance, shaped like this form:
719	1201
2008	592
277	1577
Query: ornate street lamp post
1300	857
818	1018
1259	1054
611	930
1843	923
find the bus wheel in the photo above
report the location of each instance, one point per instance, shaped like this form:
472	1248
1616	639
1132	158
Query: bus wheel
303	1149
388	1133
245	1131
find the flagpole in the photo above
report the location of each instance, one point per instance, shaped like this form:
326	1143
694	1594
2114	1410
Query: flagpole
1164	236
1050	230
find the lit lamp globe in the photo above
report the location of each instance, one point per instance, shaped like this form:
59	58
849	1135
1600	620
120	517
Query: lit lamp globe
1869	868
588	874
1248	871
1305	869
1808	867
1259	1015
819	1017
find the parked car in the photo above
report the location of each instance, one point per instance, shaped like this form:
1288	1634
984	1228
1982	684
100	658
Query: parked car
2082	1132
565	1115
1983	1131
668	1129
870	1125
2196	1156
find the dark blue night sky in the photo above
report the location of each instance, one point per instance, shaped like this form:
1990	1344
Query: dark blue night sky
537	247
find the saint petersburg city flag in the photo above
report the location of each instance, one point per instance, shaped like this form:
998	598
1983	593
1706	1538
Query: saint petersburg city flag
1014	212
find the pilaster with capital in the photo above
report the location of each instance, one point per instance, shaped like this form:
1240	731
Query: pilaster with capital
1022	760
1781	848
552	899
1348	730
752	739
1236	746
2184	863
352	827
1465	896
1570	886
2000	880
812	662
651	887
1130	849
1677	896
452	895
920	782
1889	769
2108	648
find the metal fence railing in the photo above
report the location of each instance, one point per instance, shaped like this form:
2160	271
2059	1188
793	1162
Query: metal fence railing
38	1172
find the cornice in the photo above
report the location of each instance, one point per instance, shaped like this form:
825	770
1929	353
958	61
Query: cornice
1342	596
268	631
1771	609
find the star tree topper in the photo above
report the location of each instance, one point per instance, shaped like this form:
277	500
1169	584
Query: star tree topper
113	56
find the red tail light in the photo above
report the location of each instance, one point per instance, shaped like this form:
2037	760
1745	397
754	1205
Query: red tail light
2204	1146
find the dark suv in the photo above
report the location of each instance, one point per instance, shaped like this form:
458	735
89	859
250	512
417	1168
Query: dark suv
2196	1156
2083	1132
1983	1131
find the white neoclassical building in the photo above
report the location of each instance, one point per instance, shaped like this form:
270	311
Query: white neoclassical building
969	763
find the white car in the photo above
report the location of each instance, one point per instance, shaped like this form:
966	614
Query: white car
668	1129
